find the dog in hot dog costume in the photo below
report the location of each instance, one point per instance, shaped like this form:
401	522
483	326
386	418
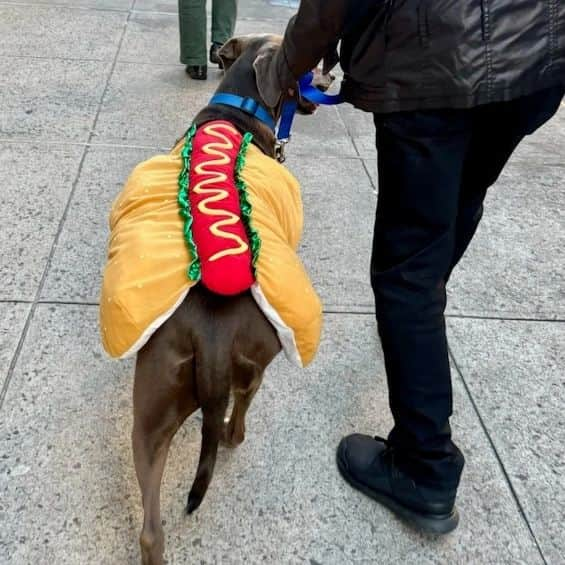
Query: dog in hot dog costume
215	210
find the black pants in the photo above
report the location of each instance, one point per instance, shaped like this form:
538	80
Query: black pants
435	167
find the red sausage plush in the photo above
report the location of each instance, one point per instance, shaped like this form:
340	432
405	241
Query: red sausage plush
218	230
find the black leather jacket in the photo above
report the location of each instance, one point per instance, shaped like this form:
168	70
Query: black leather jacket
414	54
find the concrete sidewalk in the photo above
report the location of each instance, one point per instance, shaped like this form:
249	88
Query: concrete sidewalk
88	89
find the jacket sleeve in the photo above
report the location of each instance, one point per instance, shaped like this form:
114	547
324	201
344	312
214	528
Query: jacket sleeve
312	34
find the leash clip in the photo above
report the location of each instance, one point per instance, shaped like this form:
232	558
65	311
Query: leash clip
280	147
308	92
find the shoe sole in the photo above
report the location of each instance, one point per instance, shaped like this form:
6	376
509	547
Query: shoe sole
428	523
198	77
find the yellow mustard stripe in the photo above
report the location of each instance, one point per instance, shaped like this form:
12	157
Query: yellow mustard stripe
217	149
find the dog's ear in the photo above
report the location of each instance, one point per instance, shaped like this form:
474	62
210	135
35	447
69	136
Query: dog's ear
231	50
266	77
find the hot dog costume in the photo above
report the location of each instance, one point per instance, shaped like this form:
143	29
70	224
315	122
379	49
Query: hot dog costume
215	210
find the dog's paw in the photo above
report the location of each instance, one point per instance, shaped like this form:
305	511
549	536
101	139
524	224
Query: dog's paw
231	437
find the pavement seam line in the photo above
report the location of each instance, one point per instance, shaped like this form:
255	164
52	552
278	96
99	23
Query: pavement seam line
344	124
37	297
69	6
369	312
157	147
16	355
57	58
363	161
330	311
496	454
503	318
67	303
358	156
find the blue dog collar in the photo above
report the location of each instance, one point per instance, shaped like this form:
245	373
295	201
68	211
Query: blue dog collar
247	105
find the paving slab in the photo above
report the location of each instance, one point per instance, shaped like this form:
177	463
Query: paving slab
45	31
339	210
154	37
123	5
544	146
262	24
150	105
51	99
65	464
361	128
154	104
261	9
151	38
515	266
515	373
36	181
85	232
163	6
322	134
12	320
68	491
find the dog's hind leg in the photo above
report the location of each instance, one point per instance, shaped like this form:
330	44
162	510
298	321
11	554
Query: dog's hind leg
247	379
248	369
253	351
163	398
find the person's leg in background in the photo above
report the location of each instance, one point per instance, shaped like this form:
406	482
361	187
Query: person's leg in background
192	28
224	15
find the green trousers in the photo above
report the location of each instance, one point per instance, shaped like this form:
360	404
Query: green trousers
192	26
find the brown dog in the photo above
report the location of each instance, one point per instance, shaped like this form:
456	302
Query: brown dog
212	345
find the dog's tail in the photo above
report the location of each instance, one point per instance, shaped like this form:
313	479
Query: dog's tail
213	381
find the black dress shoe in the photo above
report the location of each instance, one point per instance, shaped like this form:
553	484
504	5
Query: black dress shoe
214	57
367	464
197	72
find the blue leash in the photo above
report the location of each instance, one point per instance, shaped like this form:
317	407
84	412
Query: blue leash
253	108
